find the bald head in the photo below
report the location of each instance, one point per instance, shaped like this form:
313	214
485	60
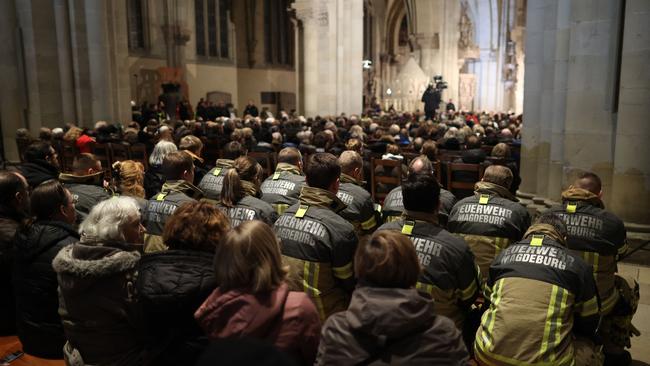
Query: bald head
499	175
589	181
421	164
349	161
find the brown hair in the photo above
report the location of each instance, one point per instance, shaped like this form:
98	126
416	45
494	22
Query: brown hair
354	145
500	150
83	162
430	149
130	178
322	170
191	143
388	259
392	149
244	168
196	226
248	257
47	199
499	175
589	181
176	163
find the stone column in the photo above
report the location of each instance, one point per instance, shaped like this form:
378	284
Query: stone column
630	197
331	61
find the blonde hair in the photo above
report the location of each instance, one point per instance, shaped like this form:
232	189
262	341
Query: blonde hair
130	178
73	134
501	150
248	257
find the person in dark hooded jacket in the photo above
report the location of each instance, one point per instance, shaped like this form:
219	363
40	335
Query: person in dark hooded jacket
172	284
388	321
37	243
40	164
86	183
14	209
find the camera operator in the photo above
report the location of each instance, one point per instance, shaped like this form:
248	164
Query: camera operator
431	99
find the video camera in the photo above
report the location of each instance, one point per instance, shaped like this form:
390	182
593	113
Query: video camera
438	83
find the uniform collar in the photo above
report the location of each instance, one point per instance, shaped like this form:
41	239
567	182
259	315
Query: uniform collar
95	179
580	194
547	230
182	186
494	189
429	217
349	179
289	168
225	163
312	196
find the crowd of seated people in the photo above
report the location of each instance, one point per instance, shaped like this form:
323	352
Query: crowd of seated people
199	250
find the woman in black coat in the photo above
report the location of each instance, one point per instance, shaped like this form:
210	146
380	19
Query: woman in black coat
172	284
37	243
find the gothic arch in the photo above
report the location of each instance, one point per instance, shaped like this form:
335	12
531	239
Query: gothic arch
396	13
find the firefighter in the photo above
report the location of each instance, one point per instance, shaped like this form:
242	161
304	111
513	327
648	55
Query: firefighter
599	237
361	209
317	243
212	182
491	219
543	303
177	189
282	189
86	184
449	274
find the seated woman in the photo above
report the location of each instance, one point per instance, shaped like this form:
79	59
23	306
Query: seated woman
128	178
172	284
240	194
253	300
97	294
388	320
35	246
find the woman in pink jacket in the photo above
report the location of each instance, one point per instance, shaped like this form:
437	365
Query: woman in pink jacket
253	300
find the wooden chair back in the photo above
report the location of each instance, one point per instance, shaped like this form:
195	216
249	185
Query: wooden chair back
471	169
138	152
266	160
119	152
387	179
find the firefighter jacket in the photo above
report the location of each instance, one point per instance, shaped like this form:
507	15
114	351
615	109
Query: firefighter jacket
595	235
250	207
282	189
489	221
449	274
161	206
319	246
361	209
539	294
87	190
213	181
394	206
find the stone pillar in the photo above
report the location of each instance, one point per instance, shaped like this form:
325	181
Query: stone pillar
332	42
630	197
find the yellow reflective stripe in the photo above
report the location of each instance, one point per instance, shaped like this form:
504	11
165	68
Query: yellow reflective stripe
302	210
550	311
608	304
216	171
310	286
571	207
589	307
276	175
280	207
369	224
407	229
483	200
558	321
343	272
490	315
468	292
391	218
537	240
424	287
161	196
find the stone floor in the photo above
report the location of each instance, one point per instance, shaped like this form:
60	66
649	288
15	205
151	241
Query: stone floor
638	266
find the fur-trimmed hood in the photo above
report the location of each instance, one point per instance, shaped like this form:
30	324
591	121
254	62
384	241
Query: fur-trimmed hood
83	261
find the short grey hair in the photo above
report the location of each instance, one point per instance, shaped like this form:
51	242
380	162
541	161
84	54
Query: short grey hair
106	220
162	149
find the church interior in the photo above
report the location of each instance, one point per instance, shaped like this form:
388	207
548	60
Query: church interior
570	79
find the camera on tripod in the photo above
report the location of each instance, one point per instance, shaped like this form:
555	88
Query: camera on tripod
439	83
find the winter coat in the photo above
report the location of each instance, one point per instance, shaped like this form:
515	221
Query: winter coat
37	303
319	245
212	181
360	210
171	285
38	171
9	222
390	326
286	318
98	304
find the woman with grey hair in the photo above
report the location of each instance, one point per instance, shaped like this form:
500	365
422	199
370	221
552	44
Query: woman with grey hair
96	287
154	177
